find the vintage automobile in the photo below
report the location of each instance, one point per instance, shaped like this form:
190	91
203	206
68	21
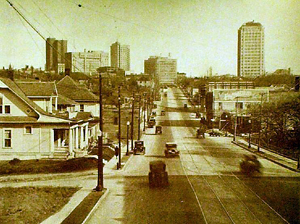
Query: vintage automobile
151	124
200	133
158	129
138	147
171	150
158	177
214	132
250	165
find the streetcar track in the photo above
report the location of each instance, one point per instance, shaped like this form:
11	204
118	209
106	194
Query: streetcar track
240	181
185	169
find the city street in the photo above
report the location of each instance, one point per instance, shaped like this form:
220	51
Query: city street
206	185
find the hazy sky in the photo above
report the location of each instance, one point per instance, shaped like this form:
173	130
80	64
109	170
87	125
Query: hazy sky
198	33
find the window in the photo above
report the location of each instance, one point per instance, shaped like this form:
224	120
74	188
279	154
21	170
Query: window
28	130
7	138
7	109
81	108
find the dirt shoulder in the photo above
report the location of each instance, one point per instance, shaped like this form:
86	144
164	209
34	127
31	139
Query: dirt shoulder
32	204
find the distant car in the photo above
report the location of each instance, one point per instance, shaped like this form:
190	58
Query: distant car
158	129
171	150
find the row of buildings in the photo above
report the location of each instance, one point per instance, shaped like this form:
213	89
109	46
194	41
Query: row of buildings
58	59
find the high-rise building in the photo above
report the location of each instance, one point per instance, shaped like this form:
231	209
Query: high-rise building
162	69
55	55
250	50
87	61
120	56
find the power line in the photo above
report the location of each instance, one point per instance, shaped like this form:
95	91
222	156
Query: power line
36	30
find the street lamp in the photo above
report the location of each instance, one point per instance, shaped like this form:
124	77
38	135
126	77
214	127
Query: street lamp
100	186
250	127
127	152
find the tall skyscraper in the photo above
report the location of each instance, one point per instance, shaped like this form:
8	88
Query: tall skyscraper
87	61
120	56
250	50
55	55
162	69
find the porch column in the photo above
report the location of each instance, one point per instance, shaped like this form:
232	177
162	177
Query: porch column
81	137
71	142
55	105
59	135
51	150
76	138
87	137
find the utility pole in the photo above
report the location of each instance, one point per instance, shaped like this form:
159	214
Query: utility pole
100	186
235	120
139	122
132	121
260	115
119	135
144	106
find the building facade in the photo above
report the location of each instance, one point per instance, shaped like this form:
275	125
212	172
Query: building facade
120	56
87	62
162	69
55	55
250	50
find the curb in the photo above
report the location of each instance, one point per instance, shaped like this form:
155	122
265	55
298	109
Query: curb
96	206
266	157
124	167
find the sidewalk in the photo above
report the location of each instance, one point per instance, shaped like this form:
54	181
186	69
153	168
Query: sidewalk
85	200
274	157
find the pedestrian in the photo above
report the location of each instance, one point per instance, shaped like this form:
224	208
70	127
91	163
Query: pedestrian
116	151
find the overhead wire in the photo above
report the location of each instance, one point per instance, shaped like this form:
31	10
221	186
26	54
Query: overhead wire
38	32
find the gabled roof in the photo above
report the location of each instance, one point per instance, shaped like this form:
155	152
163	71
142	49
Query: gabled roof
45	89
70	89
15	89
18	92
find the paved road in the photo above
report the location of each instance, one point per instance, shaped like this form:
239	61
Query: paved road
205	183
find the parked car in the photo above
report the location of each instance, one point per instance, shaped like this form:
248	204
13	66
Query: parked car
138	147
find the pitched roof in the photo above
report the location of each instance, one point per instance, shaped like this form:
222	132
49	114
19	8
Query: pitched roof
62	100
83	116
46	89
16	90
70	89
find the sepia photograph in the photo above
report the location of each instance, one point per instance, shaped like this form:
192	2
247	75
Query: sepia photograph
149	111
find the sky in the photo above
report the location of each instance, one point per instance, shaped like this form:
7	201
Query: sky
198	33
